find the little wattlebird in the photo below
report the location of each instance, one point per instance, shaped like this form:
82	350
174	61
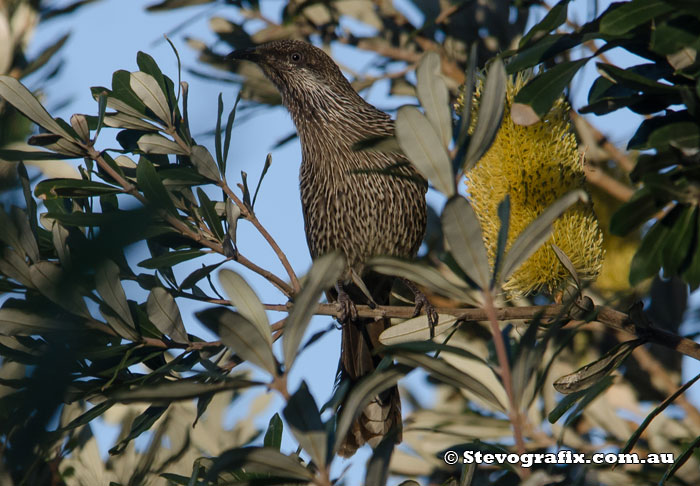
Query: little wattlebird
350	204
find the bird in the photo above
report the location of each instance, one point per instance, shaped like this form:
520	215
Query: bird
360	203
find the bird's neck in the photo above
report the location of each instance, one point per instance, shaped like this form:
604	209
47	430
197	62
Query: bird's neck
335	119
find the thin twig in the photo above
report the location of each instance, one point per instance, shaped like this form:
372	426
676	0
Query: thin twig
515	414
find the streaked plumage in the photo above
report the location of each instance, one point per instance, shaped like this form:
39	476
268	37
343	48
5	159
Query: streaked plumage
359	213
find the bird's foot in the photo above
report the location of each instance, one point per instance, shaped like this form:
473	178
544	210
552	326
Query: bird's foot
346	307
422	303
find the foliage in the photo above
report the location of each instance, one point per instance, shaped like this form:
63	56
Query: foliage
80	341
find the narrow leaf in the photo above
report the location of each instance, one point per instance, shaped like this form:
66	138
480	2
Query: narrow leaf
23	100
152	186
204	163
150	93
165	315
273	435
209	214
535	99
434	97
324	273
537	232
245	300
242	336
490	114
463	234
594	372
301	413
421	144
108	284
362	393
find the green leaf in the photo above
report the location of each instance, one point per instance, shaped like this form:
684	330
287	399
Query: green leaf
150	93
324	273
675	34
682	458
633	79
170	258
490	114
546	48
52	282
20	322
647	261
242	336
416	329
245	300
217	135
361	394
273	435
209	214
233	212
204	163
101	108
88	416
303	418
566	263
266	167
108	284
15	266
24	101
165	315
152	186
535	99
17	155
463	234
149	66
141	424
654	413
537	232
630	15
643	205
118	324
183	389
554	18
679	240
378	465
199	274
423	147
57	144
434	97
80	125
123	120
582	396
229	129
379	143
684	135
594	372
53	188
153	143
420	274
261	460
445	372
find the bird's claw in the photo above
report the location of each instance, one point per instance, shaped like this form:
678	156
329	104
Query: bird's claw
422	303
346	307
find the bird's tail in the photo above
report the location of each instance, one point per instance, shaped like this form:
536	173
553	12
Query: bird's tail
383	413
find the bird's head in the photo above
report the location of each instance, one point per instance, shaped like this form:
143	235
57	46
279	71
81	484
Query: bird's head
297	68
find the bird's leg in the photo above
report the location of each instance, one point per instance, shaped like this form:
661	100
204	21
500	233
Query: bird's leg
345	305
422	302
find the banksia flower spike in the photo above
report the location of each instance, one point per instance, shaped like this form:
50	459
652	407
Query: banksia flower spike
536	165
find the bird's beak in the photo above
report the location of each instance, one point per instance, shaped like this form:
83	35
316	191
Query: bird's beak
250	54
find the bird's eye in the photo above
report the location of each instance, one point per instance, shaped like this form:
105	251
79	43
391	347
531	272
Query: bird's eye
296	57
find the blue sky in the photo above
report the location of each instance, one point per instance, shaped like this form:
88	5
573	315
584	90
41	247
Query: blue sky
106	37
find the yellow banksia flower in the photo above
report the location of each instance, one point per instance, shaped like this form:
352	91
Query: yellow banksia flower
536	165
